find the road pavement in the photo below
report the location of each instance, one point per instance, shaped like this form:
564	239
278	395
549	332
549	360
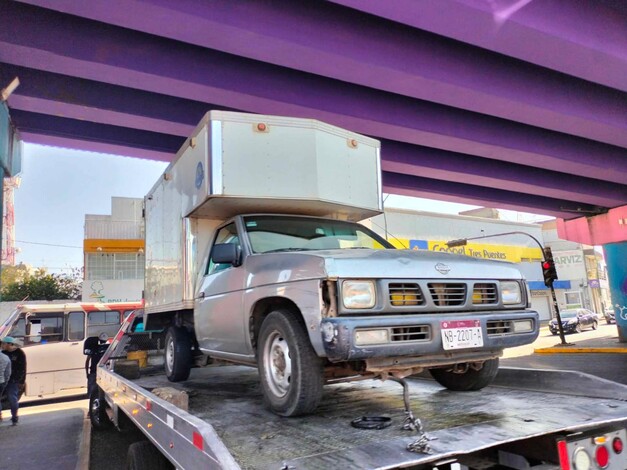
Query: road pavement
47	437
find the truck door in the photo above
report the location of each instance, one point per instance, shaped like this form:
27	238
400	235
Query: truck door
219	321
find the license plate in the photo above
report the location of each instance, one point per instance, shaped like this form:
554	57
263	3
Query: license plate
461	334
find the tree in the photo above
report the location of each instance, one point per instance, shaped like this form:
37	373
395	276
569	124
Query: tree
13	273
44	286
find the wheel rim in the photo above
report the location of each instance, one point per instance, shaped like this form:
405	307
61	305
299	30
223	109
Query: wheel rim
277	364
95	409
169	355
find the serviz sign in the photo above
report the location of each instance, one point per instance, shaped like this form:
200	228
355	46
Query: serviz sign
512	253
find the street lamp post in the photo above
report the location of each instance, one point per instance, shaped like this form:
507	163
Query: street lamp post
464	241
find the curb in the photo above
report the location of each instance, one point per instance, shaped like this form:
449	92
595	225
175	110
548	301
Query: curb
570	350
84	446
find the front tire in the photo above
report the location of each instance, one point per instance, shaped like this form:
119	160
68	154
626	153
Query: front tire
471	379
98	410
289	368
595	325
578	328
178	354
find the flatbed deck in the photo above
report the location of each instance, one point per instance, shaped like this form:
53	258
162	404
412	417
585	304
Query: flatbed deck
229	400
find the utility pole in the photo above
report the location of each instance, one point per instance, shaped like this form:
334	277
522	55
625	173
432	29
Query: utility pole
548	269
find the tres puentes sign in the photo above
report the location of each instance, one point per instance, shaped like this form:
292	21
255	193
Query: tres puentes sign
514	254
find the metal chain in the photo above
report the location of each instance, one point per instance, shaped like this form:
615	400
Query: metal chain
411	423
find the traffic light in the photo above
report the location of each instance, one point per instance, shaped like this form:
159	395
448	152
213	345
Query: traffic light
548	268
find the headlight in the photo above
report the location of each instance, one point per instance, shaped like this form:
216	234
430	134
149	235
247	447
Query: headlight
358	294
510	291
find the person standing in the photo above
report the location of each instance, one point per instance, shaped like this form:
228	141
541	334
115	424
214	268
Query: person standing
5	373
17	379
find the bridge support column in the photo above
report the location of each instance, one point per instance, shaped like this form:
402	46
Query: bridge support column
616	259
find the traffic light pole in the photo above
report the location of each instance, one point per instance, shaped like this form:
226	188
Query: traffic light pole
464	241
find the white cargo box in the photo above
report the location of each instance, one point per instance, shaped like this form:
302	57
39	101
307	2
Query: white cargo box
237	163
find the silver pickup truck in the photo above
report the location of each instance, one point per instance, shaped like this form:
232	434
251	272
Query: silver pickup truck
311	300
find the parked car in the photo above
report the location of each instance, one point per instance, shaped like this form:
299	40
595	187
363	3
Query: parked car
574	320
610	315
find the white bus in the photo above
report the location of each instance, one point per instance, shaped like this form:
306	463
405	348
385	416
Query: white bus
52	337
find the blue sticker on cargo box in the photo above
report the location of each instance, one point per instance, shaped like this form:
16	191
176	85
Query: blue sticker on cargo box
200	175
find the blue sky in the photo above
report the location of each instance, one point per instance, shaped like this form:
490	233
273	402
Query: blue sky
59	186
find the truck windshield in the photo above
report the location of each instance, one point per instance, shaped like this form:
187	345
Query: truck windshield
269	233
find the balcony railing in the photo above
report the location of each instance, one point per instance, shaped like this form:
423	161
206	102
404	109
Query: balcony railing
114	229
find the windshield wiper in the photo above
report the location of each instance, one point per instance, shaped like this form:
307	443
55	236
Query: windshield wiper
278	250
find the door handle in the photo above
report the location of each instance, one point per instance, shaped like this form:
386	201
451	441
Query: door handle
74	344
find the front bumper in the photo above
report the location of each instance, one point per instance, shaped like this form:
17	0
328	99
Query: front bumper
338	335
568	328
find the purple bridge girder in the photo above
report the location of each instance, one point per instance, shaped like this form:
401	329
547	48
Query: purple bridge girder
512	104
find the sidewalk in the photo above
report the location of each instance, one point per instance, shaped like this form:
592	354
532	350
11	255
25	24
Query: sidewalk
604	345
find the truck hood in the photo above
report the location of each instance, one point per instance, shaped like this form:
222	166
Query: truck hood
414	264
394	264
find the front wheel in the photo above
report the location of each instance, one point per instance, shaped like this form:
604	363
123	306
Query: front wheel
289	368
463	379
178	354
595	325
578	328
98	410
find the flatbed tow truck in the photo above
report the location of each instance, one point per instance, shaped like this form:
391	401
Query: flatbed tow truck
526	419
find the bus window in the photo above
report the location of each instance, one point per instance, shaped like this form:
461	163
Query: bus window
48	329
76	326
103	321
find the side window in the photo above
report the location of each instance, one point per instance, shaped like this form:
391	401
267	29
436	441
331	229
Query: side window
48	329
102	321
226	234
76	326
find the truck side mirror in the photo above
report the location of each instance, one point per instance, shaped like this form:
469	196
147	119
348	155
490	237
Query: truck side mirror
228	253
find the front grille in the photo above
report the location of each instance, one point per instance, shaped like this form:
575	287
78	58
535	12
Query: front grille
405	294
499	327
410	333
447	294
484	293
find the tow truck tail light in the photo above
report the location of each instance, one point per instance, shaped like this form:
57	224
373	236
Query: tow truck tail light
617	445
602	456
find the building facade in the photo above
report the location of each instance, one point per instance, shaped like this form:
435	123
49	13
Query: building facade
114	253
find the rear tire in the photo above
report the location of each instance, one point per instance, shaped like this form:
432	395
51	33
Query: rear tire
177	354
467	381
145	456
290	370
98	410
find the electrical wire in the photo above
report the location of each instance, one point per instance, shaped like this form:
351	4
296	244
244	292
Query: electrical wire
48	244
